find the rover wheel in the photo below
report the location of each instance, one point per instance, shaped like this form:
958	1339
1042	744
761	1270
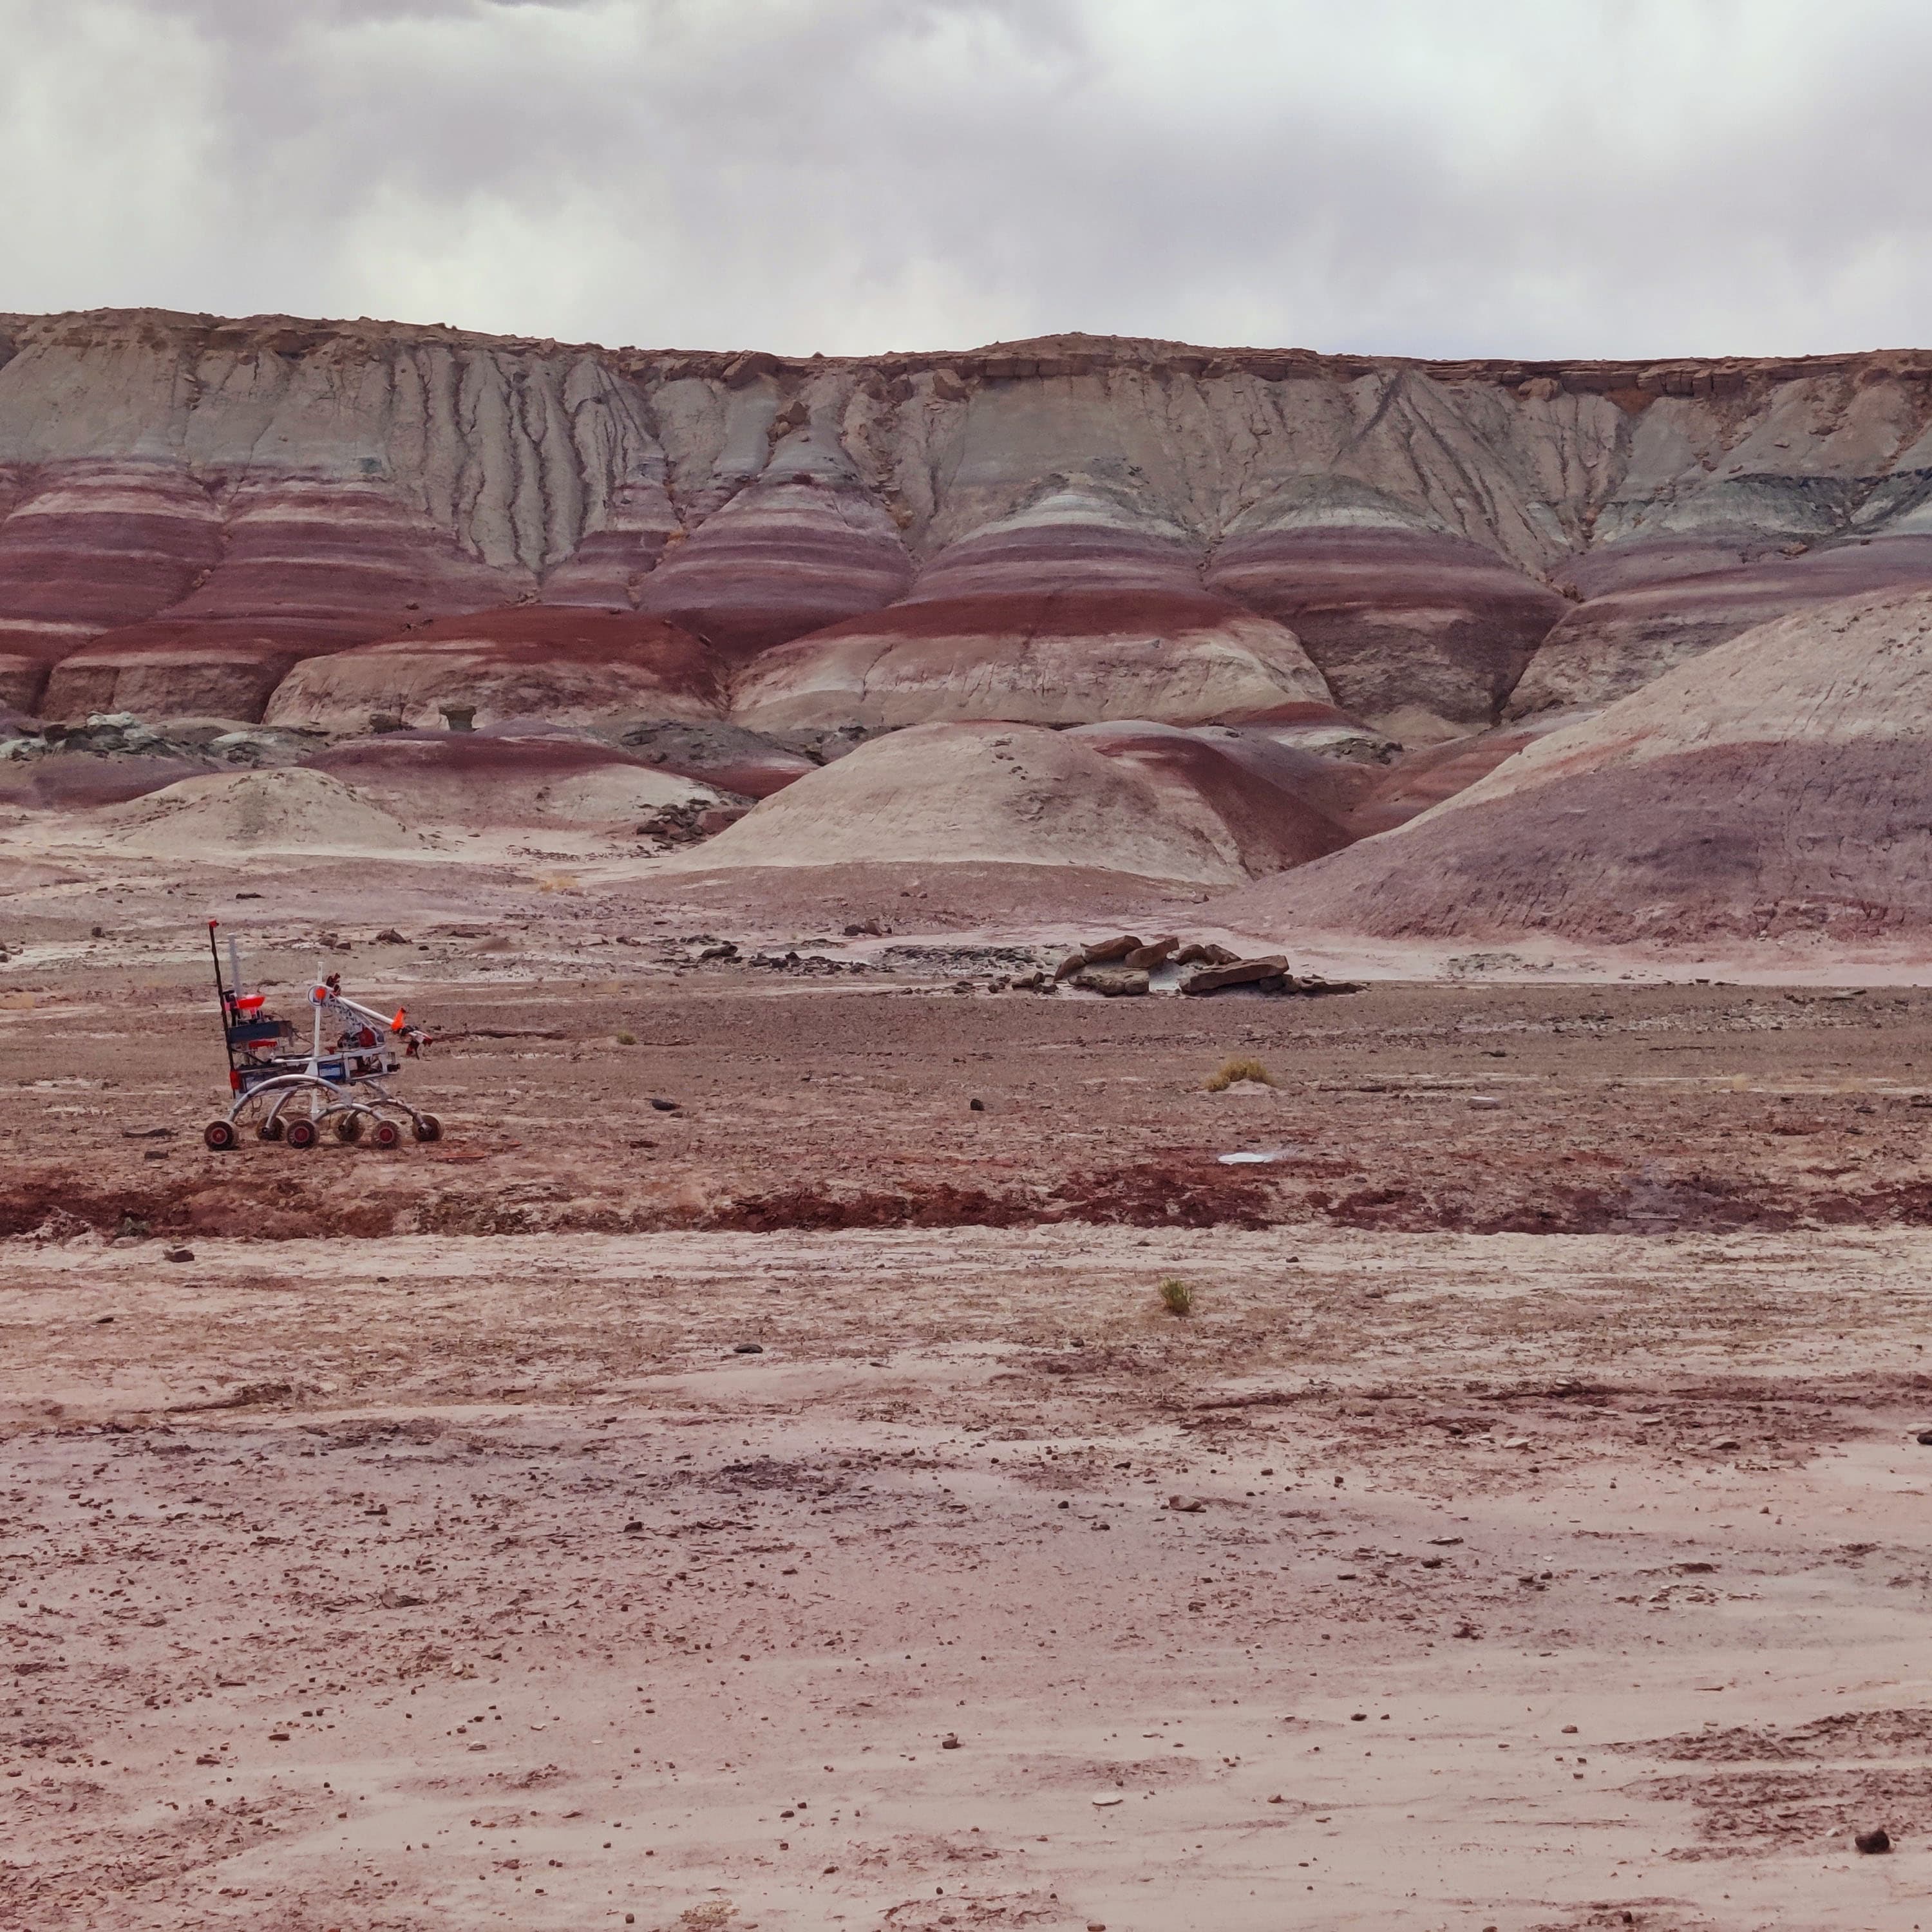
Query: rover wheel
219	1136
302	1134
388	1135
428	1127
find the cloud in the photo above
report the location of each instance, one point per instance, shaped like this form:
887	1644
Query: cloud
1608	177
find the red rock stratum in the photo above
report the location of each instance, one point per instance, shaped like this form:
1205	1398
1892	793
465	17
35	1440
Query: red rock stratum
1066	530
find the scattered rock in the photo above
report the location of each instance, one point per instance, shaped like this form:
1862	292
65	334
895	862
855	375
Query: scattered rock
179	1254
1103	950
1153	953
976	1106
1484	1103
1878	1841
1925	1438
1106	1798
749	1349
1191	1505
949	1742
663	1106
1112	982
388	936
1239	973
692	819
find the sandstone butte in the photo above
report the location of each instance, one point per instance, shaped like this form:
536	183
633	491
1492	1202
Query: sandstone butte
317	519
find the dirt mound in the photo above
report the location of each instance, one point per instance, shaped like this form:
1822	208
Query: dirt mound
476	779
1781	784
1283	807
1008	794
285	811
565	665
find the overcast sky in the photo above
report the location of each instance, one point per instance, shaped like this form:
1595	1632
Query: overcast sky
1431	177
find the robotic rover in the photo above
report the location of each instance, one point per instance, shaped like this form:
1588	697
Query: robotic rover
293	1096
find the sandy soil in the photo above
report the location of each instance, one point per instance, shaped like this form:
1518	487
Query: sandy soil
442	1582
424	1547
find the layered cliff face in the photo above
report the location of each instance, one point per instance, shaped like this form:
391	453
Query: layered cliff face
1071	530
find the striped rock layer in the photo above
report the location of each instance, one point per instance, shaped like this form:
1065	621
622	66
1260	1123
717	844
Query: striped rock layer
1064	530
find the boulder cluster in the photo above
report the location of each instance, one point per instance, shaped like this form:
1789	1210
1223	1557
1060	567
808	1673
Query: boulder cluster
1125	967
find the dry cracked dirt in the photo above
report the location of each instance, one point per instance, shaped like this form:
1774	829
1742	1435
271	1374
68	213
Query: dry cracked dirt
794	1507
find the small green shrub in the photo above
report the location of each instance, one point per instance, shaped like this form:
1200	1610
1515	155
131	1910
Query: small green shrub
1232	1070
627	1039
1177	1297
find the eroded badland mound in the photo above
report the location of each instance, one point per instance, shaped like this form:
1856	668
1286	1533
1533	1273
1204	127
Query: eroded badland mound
1780	784
987	794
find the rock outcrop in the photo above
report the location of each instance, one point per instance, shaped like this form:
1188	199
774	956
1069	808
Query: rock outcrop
1280	807
189	507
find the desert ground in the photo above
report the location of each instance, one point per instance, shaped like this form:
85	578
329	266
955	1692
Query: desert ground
794	1504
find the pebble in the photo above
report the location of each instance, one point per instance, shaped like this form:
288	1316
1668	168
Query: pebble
1192	1504
1925	1438
976	1106
749	1349
1879	1841
949	1742
663	1106
179	1254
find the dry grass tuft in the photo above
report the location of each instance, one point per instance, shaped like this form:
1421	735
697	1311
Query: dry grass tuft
1232	1070
1177	1297
625	1039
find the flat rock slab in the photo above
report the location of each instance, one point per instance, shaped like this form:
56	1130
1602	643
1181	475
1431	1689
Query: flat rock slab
1241	973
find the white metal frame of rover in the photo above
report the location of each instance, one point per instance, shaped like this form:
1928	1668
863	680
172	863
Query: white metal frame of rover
339	1085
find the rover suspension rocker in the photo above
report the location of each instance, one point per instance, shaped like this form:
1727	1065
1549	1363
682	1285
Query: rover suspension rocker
338	1086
